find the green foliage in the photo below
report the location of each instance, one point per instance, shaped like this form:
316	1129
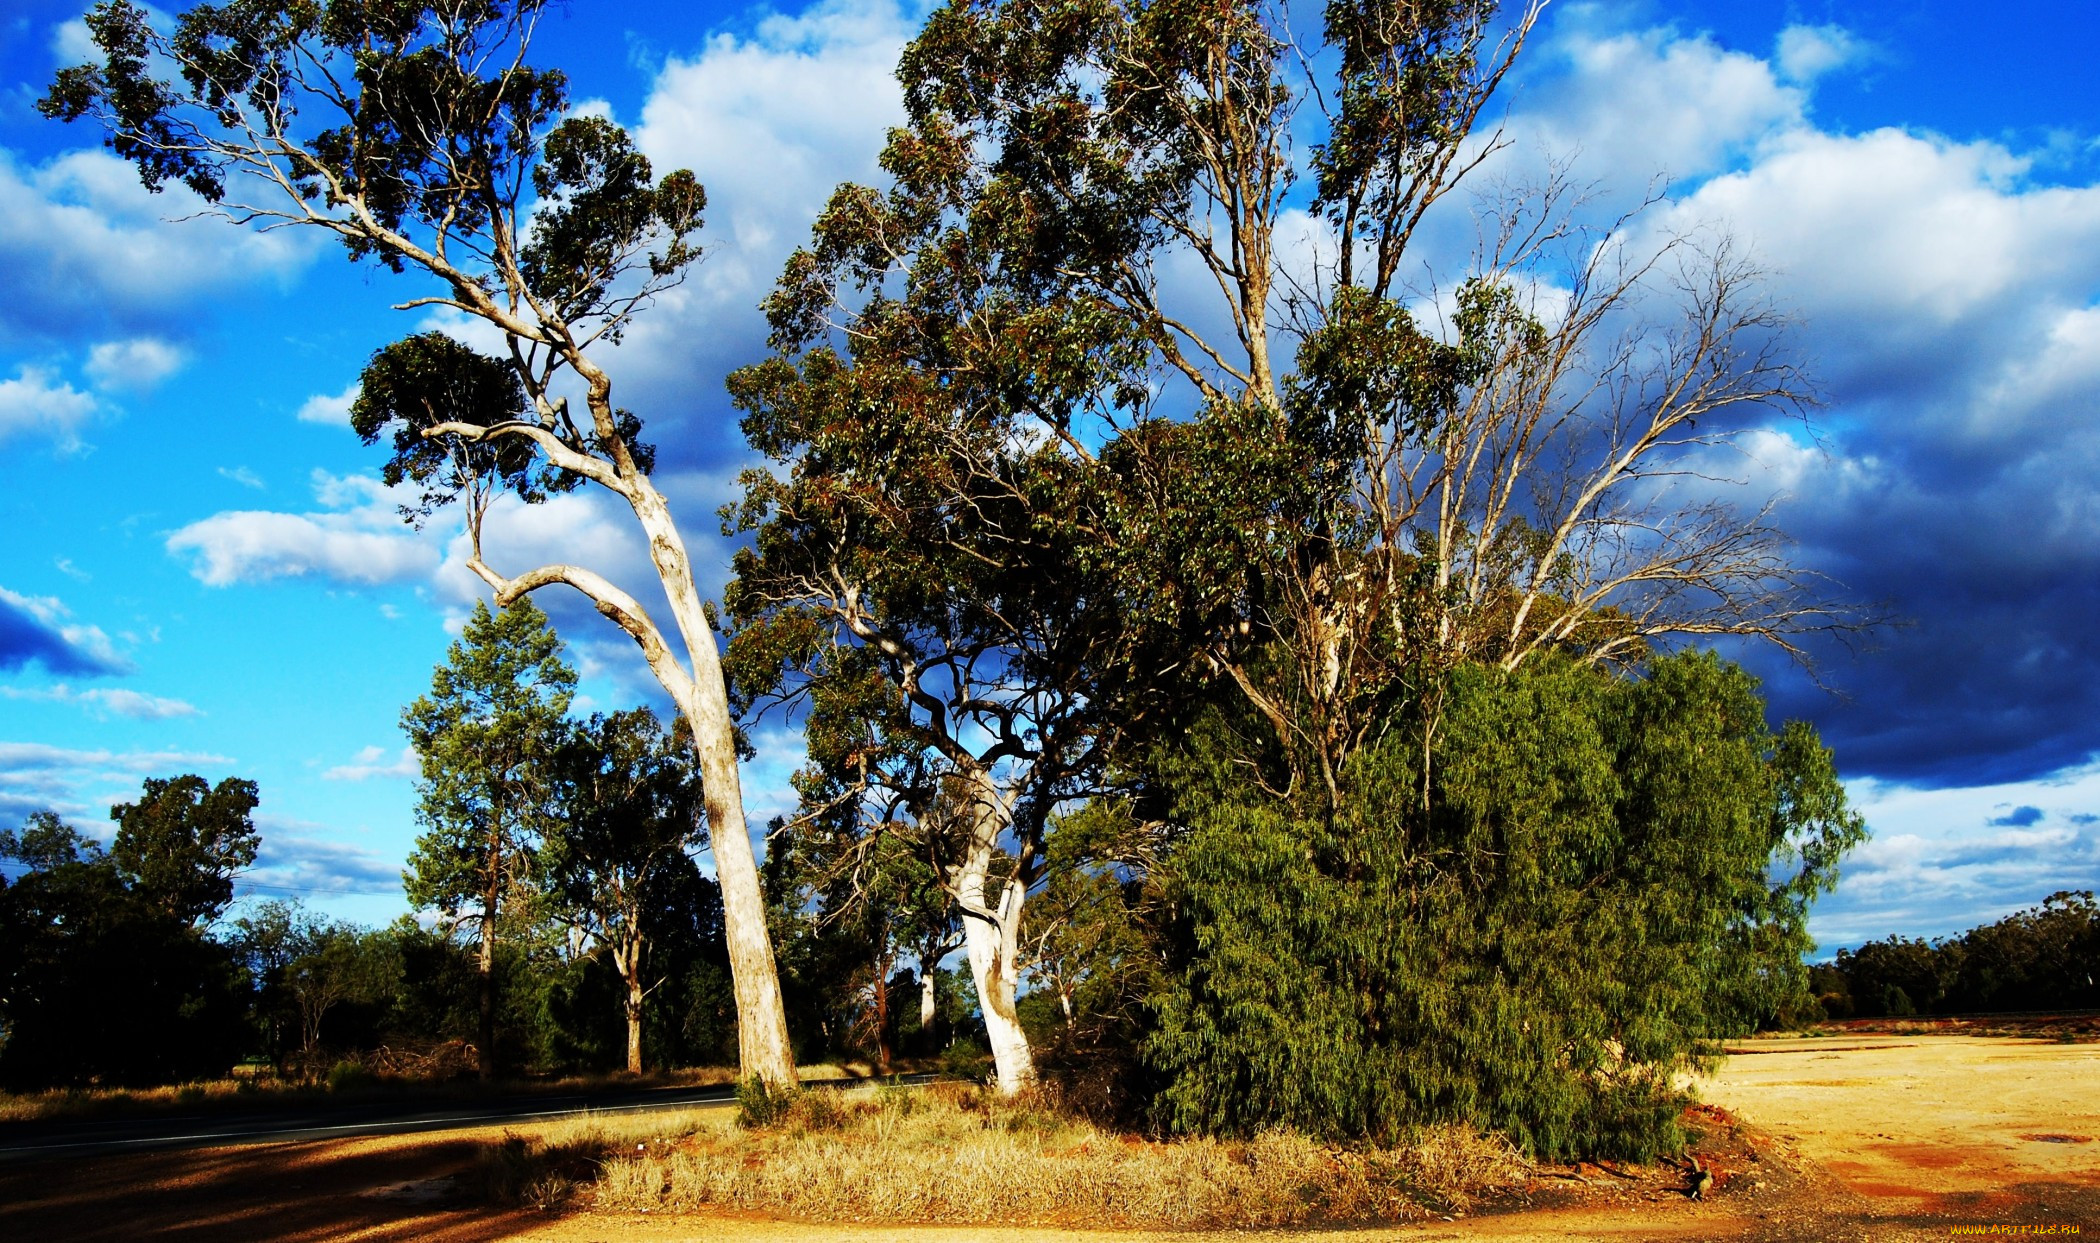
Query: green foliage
181	843
94	958
485	735
1586	902
760	1105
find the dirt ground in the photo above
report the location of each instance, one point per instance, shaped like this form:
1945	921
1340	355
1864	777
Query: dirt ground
1866	1138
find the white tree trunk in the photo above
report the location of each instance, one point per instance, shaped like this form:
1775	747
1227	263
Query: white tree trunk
927	1009
763	1050
992	938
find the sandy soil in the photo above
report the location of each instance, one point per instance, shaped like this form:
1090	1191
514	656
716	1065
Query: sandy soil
1931	1131
1869	1139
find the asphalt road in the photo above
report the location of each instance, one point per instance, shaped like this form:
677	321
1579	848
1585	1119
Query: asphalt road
33	1141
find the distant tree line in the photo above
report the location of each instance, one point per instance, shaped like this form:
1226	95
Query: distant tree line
2046	957
565	924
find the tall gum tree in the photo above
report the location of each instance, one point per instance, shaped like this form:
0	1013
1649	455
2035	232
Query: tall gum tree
1300	473
418	134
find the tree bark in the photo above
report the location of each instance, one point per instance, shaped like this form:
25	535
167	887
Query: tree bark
763	1051
485	1056
992	938
882	1013
634	1027
927	1010
994	949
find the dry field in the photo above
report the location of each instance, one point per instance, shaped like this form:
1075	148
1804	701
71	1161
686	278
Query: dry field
1867	1138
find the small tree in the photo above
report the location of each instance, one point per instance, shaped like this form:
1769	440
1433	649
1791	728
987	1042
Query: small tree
627	814
181	844
486	735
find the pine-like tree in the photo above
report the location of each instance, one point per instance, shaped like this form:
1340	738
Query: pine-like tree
486	735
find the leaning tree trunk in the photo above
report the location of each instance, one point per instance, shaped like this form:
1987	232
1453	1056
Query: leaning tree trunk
763	1051
992	939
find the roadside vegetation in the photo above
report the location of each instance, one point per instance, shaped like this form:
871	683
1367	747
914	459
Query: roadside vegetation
1267	727
349	1081
965	1154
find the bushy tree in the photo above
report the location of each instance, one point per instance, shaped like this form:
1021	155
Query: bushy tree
180	845
104	979
617	852
1608	875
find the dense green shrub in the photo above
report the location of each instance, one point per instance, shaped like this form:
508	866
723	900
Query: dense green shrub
1582	901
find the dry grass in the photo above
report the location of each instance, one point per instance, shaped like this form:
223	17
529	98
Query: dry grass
954	1154
268	1092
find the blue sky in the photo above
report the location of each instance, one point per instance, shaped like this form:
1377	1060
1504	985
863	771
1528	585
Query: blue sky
201	573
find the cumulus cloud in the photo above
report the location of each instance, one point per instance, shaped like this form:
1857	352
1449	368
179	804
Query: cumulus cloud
374	762
1942	861
330	408
1805	53
745	112
1947	301
135	365
356	537
82	244
36	403
1633	105
39	630
105	701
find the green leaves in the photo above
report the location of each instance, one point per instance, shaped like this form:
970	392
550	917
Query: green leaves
182	843
598	207
1579	903
485	735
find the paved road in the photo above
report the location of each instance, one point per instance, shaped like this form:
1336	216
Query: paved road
31	1141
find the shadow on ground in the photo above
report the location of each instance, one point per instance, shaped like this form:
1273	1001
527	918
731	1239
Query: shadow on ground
333	1189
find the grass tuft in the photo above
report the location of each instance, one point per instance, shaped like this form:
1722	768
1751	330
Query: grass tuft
957	1153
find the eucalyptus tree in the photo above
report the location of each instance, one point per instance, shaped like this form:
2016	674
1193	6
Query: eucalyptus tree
182	843
421	136
485	737
1070	425
627	814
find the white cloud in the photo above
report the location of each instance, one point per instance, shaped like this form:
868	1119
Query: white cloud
85	243
358	537
294	857
108	701
242	476
770	121
73	44
135	365
330	408
372	762
1636	104
1805	53
35	403
1943	860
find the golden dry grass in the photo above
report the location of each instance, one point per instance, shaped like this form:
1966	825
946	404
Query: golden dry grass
221	1095
954	1154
